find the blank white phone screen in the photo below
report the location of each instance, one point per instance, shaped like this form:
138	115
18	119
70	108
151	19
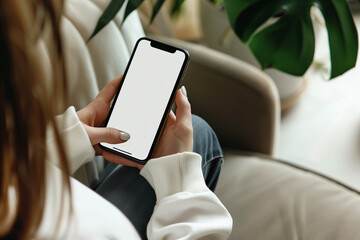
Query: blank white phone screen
143	97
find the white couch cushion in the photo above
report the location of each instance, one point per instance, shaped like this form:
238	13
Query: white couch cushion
90	65
269	200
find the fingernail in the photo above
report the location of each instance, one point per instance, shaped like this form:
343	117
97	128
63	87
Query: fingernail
183	91
124	136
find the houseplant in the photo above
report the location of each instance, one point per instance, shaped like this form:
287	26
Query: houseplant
288	42
218	34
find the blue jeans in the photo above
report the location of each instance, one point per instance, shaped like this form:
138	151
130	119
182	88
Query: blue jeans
125	188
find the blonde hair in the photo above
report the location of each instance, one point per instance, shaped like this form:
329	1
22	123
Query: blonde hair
27	107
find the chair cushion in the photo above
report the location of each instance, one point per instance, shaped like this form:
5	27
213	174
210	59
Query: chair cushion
271	199
91	64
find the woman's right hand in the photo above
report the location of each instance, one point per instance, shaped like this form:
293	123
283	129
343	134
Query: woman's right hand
177	135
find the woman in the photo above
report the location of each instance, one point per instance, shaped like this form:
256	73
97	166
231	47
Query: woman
41	201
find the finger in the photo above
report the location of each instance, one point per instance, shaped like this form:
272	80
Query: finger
171	118
183	111
110	89
120	160
98	150
172	115
108	135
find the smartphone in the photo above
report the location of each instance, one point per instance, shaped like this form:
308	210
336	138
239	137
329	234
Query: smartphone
145	97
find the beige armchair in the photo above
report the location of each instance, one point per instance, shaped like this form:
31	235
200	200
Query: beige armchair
268	198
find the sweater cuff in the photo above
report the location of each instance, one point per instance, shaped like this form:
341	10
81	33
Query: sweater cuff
75	139
175	173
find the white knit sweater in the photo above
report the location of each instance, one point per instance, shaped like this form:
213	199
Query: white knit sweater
196	213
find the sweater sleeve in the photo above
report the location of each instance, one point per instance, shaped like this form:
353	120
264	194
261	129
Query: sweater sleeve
76	141
185	208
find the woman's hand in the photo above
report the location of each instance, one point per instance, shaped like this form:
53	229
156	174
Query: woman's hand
93	117
176	137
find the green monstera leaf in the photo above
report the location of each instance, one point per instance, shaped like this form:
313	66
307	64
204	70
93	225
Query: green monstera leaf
288	44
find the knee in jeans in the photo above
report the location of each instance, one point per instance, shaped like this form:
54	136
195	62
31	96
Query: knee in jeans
205	139
200	126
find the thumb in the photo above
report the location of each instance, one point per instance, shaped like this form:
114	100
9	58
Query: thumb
183	111
108	135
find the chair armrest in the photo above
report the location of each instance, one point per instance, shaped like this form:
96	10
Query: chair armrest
239	101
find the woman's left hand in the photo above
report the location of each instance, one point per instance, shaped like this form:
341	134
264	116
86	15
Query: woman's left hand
93	117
